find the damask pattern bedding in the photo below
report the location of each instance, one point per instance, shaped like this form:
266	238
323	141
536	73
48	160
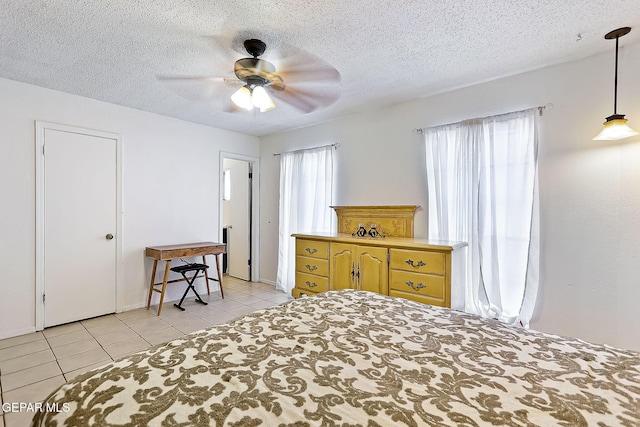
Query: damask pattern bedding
353	358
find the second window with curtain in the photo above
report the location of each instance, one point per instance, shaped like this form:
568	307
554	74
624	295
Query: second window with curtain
482	190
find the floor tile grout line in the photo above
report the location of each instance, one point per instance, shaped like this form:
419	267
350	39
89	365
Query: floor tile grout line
54	353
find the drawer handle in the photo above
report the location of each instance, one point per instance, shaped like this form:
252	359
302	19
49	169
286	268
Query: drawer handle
415	288
414	264
311	250
311	267
310	284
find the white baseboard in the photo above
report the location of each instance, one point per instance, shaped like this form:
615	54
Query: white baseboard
17	332
134	307
268	282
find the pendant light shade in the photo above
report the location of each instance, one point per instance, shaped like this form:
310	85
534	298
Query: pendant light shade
262	100
615	126
242	98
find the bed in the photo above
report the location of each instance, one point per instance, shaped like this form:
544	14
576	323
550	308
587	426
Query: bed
354	358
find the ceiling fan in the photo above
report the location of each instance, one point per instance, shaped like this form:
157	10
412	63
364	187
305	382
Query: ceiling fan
302	80
257	74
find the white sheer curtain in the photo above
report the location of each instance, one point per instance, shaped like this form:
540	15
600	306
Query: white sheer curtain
306	183
482	181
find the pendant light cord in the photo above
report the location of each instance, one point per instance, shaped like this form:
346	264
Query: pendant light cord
615	82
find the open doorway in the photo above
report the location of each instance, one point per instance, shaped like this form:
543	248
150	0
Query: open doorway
238	215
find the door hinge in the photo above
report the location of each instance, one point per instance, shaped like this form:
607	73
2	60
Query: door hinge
44	297
44	151
248	262
250	175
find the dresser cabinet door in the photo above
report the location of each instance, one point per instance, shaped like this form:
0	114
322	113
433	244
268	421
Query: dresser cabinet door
359	267
372	272
342	266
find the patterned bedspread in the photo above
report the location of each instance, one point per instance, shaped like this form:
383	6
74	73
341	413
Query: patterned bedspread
353	358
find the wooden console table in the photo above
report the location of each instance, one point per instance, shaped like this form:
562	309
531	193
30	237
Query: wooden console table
170	252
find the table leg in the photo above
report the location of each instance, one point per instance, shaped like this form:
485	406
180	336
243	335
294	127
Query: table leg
164	285
219	274
153	279
206	275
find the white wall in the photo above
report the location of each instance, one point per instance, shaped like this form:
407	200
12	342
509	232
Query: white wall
589	191
170	188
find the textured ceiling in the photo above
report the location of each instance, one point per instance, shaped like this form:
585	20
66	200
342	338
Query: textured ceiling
386	51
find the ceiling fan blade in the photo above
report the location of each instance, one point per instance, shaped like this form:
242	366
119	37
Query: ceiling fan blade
310	75
306	100
200	88
289	97
231	81
321	98
302	61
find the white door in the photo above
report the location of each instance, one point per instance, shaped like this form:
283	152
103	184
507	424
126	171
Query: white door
237	218
80	220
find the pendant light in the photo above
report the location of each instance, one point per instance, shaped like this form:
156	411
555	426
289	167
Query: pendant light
615	126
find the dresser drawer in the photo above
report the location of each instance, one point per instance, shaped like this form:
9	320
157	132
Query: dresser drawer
298	293
416	283
419	298
305	264
417	261
312	248
311	282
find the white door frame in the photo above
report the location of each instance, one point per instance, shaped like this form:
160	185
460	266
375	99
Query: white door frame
255	209
40	205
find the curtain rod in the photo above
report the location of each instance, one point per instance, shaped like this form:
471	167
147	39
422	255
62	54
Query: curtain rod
306	149
541	108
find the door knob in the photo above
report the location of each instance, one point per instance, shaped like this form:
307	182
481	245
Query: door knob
109	236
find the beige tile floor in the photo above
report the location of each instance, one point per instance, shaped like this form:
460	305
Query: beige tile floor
32	365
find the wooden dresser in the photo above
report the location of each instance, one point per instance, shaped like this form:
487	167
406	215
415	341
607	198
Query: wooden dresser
396	264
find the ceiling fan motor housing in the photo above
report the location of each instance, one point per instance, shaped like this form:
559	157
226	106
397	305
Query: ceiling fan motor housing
254	71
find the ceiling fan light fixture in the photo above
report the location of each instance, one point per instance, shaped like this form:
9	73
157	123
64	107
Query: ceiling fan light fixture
242	98
262	100
615	126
